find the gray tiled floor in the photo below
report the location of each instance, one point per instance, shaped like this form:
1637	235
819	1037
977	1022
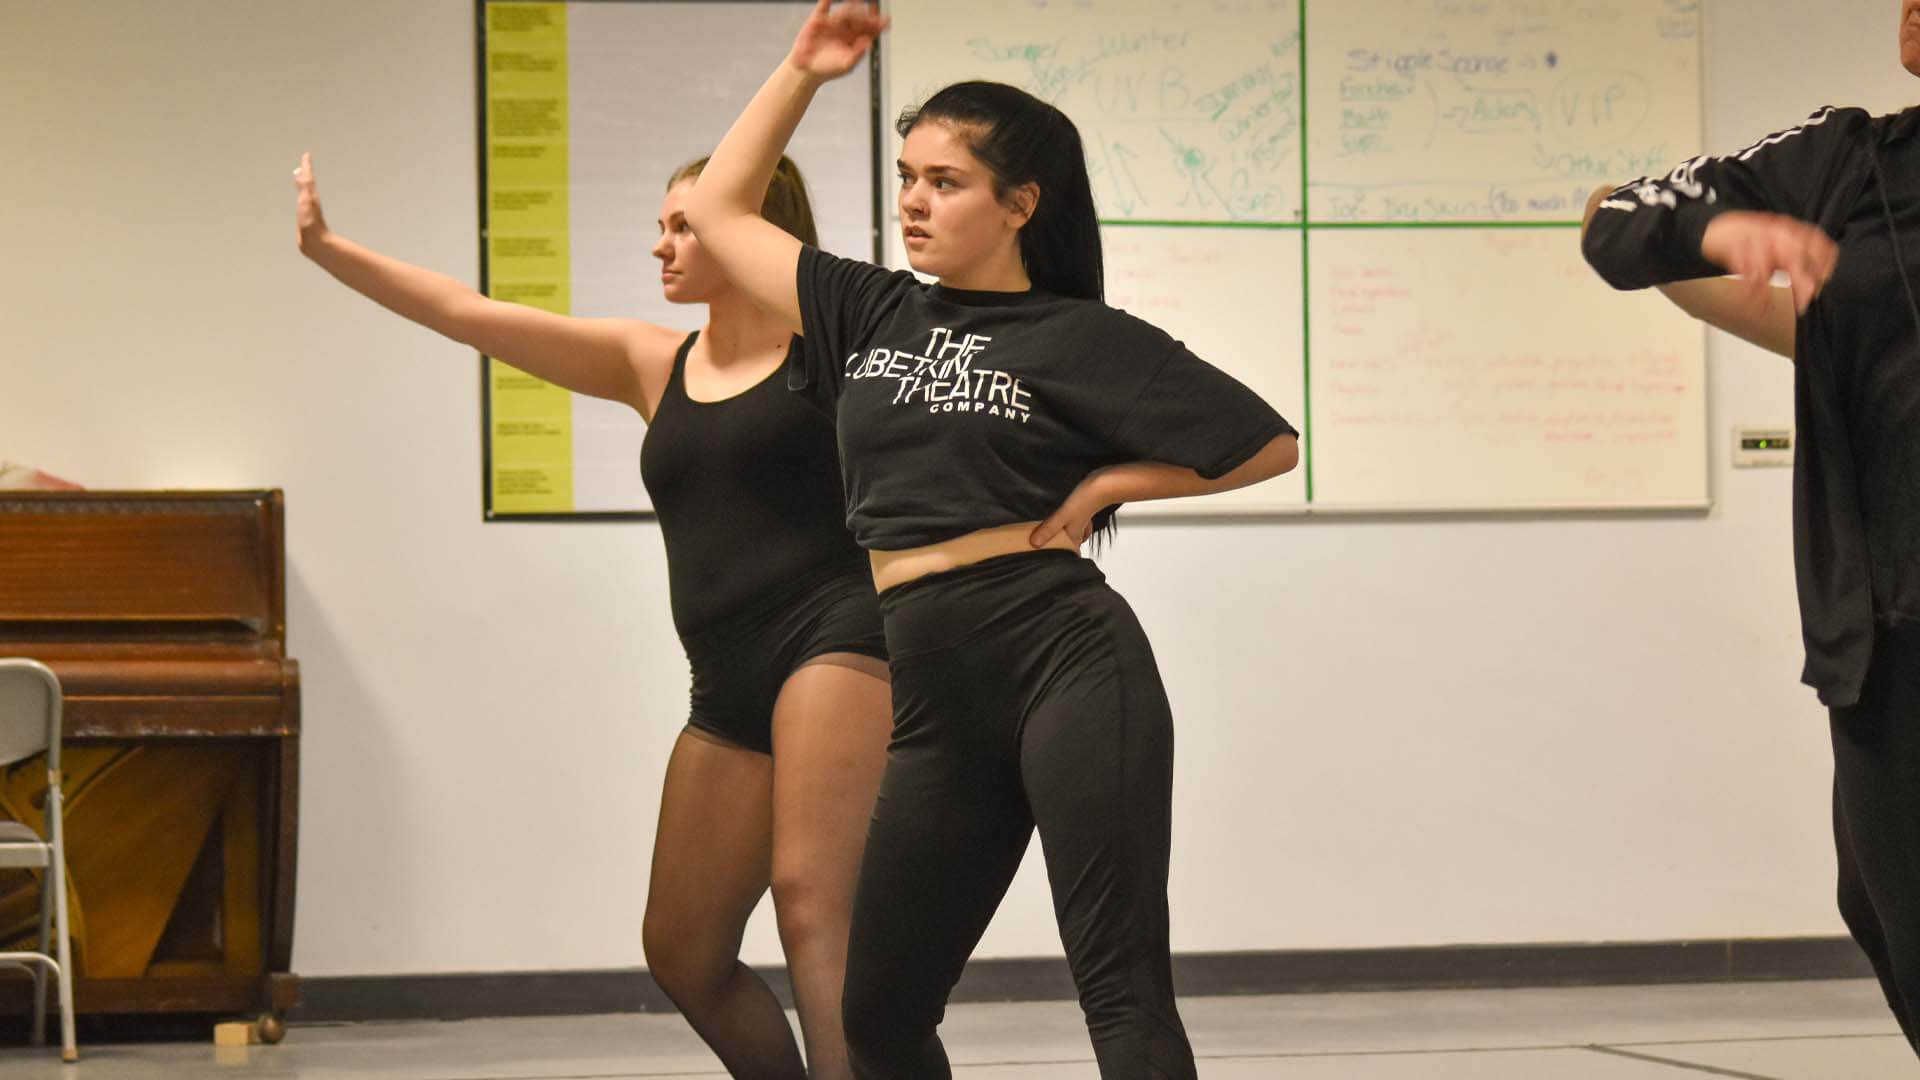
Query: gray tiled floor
1770	1031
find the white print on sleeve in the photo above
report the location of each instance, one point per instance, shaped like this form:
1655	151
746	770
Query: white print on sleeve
945	378
1684	182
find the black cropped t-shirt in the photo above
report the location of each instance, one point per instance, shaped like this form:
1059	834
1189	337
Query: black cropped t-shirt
958	411
966	410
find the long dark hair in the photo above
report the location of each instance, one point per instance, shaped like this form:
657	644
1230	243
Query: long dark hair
786	204
1023	140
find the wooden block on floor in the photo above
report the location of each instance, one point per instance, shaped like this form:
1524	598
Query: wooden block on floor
235	1033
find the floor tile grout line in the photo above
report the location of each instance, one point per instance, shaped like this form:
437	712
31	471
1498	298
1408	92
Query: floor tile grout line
1710	1070
1438	1051
1753	1039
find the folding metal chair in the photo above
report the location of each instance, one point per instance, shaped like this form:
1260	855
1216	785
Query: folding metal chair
30	724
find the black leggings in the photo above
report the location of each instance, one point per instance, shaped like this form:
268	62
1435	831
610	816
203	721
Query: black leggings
1024	694
1876	809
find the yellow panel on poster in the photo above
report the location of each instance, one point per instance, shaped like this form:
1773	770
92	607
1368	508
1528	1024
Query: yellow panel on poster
528	258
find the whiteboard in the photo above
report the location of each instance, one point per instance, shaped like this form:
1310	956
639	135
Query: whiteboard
1274	149
1215	293
1495	110
650	86
1189	109
1422	389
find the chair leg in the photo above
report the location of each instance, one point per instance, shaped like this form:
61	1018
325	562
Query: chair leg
68	1051
56	818
44	948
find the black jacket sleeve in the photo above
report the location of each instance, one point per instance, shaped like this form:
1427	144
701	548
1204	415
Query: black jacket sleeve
1648	232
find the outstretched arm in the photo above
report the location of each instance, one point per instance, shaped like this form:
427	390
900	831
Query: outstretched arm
617	359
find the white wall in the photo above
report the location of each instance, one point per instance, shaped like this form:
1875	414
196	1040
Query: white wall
1392	731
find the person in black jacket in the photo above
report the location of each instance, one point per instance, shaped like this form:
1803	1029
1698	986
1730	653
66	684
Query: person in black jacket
1835	204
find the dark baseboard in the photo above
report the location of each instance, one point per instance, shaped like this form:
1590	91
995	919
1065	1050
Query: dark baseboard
567	993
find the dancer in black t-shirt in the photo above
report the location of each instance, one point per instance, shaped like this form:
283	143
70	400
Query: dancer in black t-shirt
988	424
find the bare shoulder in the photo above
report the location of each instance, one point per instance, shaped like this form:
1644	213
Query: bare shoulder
650	348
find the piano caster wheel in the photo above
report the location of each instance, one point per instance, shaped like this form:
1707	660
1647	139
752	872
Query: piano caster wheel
271	1028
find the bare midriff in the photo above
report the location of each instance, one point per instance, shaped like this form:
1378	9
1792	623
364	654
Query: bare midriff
892	568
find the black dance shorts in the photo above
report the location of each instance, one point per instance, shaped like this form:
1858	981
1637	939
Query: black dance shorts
741	662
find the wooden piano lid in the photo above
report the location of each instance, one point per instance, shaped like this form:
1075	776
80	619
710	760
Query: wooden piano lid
142	566
149	596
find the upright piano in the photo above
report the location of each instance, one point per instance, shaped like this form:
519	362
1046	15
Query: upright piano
164	615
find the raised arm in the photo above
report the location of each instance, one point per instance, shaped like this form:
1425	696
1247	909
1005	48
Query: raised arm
622	360
724	209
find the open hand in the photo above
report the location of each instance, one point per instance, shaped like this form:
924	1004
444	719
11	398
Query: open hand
835	37
306	207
